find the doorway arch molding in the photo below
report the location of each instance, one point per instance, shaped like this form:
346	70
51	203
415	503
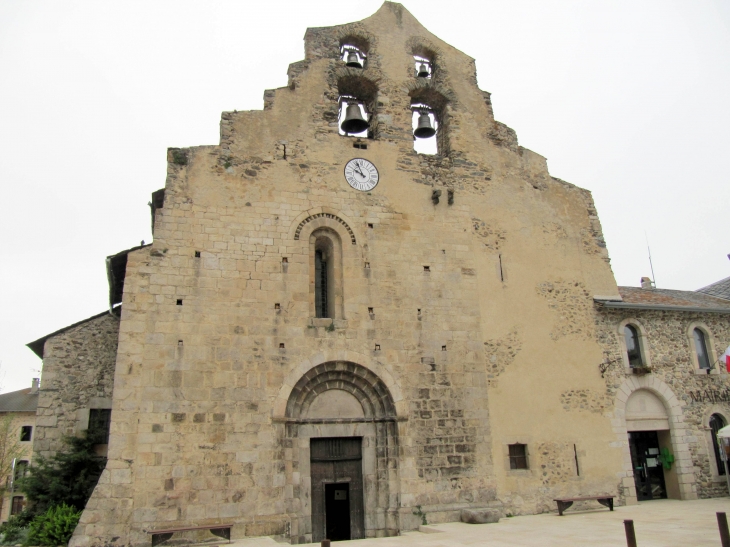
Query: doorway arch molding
677	427
367	384
305	367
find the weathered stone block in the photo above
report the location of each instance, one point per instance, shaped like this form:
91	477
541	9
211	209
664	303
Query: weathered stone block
479	516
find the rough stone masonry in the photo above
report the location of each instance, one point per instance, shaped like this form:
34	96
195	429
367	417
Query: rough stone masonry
281	313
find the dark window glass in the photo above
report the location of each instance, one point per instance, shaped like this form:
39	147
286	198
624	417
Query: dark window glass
320	284
21	468
26	433
716	424
518	456
633	349
99	420
701	348
17	506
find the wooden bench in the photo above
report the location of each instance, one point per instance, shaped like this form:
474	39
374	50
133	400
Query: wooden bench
565	503
220	530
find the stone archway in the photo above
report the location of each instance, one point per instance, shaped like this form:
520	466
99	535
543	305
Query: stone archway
341	401
660	406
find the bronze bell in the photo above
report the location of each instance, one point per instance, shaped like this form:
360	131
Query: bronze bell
353	122
424	129
423	71
352	60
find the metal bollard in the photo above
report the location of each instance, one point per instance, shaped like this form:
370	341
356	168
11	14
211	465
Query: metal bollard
325	543
630	535
724	533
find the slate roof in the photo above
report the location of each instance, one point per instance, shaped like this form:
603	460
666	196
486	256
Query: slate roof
719	289
24	400
665	299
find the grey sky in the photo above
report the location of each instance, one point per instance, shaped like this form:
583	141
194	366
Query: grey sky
626	99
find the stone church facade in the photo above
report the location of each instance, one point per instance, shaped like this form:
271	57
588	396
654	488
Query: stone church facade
425	333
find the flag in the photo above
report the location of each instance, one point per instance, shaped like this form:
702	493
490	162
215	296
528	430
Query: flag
726	357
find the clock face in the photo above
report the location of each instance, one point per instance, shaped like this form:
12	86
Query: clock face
361	174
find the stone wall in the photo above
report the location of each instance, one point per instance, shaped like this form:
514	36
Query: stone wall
441	300
78	374
696	394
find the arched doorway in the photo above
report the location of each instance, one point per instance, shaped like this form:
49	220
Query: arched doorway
650	444
341	424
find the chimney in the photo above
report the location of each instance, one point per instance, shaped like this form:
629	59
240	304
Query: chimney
647	283
34	385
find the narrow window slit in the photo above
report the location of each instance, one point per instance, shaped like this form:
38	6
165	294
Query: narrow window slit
179	301
197	254
501	272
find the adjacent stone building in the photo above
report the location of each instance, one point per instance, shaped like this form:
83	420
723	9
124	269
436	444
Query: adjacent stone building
17	422
334	335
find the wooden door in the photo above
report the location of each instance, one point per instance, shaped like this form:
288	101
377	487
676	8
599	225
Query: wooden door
336	466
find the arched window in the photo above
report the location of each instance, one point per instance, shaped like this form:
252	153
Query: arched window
633	347
703	357
322	277
326	271
716	424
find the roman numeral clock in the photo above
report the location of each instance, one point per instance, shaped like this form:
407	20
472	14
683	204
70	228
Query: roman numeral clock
361	174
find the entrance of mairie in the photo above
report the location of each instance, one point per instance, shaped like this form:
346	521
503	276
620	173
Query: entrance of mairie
342	428
650	444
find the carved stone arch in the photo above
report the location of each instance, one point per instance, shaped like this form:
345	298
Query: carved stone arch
366	387
677	427
346	383
305	368
302	226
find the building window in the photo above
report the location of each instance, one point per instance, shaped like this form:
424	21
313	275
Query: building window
322	275
716	424
17	506
26	433
99	421
633	347
518	456
326	274
21	470
703	357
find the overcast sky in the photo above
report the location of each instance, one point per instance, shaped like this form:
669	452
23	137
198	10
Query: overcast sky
627	99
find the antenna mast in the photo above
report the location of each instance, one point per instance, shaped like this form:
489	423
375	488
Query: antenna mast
653	278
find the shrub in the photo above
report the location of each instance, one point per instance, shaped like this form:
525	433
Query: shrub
66	478
54	527
15	529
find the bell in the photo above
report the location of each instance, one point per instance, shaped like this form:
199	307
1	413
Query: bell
424	129
353	122
423	71
352	60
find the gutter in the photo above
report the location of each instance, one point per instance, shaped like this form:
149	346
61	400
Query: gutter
659	307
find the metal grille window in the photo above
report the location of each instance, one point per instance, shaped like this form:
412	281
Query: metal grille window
633	349
99	420
716	424
17	506
701	348
518	456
